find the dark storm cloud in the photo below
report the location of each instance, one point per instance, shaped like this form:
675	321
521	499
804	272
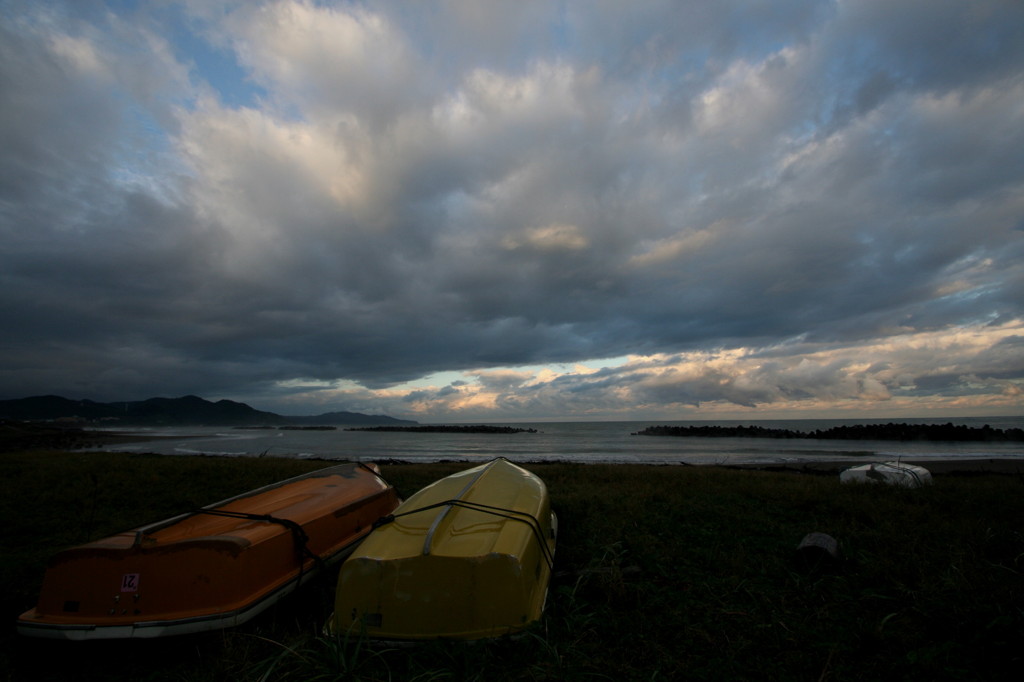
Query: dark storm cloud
761	203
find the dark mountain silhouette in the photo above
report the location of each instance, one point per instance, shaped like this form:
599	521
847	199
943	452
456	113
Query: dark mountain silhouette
347	418
187	410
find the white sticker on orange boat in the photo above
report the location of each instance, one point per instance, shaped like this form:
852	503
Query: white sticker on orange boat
130	582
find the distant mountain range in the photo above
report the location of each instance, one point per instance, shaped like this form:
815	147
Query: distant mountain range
188	410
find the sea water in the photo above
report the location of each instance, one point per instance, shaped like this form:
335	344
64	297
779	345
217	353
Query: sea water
586	442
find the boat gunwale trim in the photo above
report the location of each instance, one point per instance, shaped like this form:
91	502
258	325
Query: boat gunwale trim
326	472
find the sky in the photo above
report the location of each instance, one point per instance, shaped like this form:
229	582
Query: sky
513	211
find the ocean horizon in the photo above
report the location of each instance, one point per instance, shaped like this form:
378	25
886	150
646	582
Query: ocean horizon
576	441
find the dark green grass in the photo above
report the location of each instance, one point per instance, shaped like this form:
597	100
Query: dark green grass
661	573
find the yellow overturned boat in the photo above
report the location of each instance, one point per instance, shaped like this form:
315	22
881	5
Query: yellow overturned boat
467	557
213	568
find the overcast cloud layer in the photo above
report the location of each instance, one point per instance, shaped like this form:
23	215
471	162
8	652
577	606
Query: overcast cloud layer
495	211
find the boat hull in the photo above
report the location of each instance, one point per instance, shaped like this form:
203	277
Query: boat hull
467	557
891	473
210	569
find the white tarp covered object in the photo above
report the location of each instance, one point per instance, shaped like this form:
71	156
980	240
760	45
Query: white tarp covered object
893	473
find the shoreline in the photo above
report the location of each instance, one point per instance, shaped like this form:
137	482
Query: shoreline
18	436
27	436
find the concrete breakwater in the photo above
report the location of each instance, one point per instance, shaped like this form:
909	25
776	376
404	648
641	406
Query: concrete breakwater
889	431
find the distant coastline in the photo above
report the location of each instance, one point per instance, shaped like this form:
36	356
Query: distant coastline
890	431
188	410
445	428
287	428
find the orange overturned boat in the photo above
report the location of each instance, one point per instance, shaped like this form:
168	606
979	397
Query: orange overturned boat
213	568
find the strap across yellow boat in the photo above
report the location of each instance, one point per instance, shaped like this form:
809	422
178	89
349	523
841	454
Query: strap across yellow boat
512	514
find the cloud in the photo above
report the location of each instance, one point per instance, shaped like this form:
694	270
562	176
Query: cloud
555	237
765	207
788	378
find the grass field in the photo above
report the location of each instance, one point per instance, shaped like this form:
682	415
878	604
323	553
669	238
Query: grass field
660	573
